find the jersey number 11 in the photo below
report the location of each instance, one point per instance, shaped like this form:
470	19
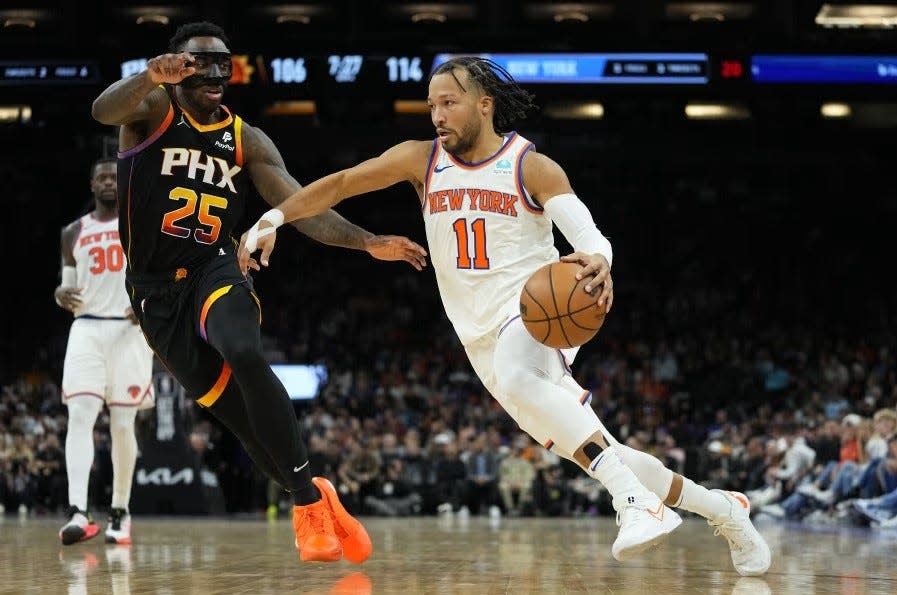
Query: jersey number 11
480	258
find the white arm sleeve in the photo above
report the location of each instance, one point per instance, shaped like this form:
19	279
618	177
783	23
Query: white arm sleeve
69	276
575	221
69	279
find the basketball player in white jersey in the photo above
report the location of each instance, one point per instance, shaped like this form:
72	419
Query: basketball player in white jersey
107	359
489	201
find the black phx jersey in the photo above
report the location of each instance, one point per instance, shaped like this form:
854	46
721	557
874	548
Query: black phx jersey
183	191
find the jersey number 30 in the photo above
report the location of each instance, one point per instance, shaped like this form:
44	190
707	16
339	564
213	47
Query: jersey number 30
480	258
206	219
110	258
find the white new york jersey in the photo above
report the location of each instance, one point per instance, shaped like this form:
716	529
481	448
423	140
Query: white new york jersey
100	268
486	236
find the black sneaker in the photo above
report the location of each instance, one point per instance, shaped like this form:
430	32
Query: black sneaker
79	528
119	529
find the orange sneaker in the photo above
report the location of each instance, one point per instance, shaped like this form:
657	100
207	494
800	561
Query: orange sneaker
352	535
315	538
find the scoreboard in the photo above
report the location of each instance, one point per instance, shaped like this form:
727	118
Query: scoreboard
405	74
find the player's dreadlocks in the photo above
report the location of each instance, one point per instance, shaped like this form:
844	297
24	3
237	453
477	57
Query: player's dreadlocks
511	102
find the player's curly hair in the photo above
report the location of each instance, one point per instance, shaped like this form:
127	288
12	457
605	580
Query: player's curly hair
512	103
189	30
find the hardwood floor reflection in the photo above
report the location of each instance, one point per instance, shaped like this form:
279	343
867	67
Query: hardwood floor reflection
435	556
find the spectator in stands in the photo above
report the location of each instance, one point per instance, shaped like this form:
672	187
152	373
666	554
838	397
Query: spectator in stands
516	477
392	495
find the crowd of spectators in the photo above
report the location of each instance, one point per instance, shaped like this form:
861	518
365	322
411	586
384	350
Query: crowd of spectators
804	425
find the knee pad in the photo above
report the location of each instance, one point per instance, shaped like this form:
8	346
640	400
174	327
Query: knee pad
121	420
83	412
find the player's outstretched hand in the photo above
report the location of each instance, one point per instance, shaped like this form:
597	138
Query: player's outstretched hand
170	68
260	236
597	265
397	248
68	297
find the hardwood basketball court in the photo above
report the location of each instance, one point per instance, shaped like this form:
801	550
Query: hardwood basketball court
437	556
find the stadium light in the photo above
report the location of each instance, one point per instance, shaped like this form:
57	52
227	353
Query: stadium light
292	108
872	16
591	110
709	11
835	110
716	111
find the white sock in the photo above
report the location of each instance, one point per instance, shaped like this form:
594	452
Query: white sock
659	480
83	413
124	453
616	476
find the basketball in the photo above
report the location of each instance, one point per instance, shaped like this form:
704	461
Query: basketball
556	310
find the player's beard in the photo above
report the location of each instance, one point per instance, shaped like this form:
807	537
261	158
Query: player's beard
109	203
467	138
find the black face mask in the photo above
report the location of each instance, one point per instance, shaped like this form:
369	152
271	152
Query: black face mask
212	68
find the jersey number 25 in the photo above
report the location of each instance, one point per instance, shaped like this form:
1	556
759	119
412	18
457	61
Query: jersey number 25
206	219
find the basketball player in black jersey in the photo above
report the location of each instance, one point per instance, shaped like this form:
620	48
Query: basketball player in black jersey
185	167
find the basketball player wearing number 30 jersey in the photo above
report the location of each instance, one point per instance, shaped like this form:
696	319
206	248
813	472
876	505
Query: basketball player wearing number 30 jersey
489	201
107	359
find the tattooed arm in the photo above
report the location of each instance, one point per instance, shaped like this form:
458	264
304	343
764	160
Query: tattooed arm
274	183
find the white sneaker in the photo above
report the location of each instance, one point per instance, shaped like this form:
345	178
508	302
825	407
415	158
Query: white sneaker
891	523
826	497
773	510
444	509
644	522
119	528
79	528
494	512
750	553
463	513
872	512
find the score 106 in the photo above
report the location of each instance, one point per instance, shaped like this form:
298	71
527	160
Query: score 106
346	68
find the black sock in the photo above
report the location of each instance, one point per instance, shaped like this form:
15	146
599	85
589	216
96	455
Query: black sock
308	495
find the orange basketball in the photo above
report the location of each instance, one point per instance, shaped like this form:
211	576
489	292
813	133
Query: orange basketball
555	308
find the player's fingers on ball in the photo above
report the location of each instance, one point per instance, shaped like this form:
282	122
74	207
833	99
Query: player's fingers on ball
600	276
605	294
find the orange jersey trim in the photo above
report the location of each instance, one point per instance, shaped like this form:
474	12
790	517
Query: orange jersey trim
238	133
528	203
213	297
208	399
151	138
431	164
209	127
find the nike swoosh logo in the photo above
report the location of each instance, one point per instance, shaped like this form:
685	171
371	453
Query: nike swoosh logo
741	499
298	469
436	170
